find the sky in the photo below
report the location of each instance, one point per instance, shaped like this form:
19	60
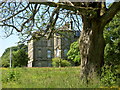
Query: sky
7	42
11	40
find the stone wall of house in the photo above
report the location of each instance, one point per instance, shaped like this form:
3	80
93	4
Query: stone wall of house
62	43
57	45
66	42
30	53
42	51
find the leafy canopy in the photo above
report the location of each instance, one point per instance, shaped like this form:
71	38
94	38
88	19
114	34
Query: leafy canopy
74	53
112	38
19	56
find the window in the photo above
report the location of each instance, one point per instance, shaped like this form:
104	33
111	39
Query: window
58	52
40	43
66	39
49	64
49	54
44	43
77	34
57	34
39	53
65	52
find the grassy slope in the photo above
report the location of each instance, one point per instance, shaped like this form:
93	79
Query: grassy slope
42	78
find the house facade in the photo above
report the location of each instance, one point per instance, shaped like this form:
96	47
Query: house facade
41	52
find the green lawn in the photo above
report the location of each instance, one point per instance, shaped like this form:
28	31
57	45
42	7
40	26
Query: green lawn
43	78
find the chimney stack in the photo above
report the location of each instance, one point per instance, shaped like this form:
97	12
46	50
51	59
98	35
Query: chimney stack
71	24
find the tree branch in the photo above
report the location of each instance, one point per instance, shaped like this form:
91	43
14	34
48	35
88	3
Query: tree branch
81	10
35	10
54	22
110	13
1	3
15	14
11	26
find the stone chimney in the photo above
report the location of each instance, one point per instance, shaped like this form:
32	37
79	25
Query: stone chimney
71	25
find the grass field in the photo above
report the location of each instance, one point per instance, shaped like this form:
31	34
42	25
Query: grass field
43	78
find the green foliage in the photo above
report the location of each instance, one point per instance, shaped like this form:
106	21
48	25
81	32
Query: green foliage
5	61
74	53
65	63
12	75
20	58
112	38
112	52
64	77
67	77
18	52
58	62
109	75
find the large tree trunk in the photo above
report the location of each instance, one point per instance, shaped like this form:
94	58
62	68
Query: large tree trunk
91	48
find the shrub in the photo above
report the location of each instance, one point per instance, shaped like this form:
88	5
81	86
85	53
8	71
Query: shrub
12	75
74	53
58	62
65	63
109	75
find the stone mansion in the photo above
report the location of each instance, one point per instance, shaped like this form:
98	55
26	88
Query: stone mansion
41	52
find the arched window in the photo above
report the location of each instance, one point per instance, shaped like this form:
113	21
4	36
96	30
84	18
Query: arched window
49	54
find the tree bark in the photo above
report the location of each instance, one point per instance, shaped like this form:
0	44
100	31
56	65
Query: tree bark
91	44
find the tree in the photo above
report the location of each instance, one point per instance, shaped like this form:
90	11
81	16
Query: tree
74	54
5	61
112	37
5	58
19	56
95	15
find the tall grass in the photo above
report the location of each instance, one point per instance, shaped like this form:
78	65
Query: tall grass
43	78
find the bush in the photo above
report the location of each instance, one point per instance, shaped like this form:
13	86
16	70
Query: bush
109	75
74	53
58	62
65	63
12	75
